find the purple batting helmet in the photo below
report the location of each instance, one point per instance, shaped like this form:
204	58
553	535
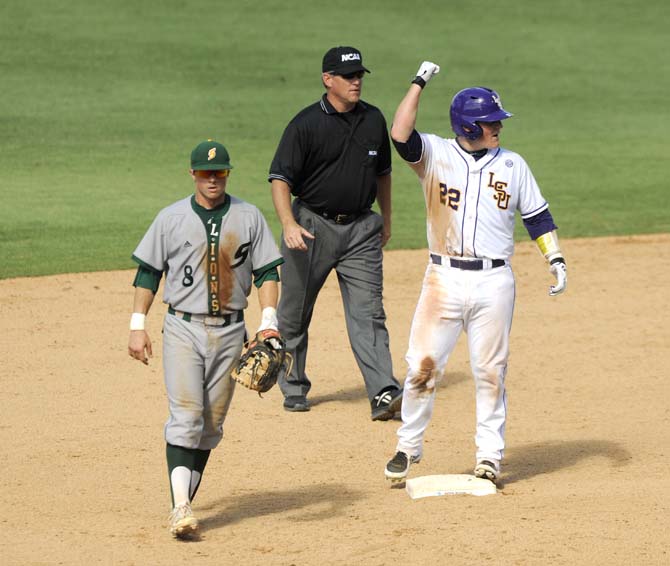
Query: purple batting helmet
472	105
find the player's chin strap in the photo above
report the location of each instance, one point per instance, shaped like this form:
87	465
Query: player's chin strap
550	249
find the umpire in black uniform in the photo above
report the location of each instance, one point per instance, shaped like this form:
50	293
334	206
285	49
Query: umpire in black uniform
335	158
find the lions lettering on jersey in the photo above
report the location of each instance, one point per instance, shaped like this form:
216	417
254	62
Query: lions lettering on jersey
219	268
213	269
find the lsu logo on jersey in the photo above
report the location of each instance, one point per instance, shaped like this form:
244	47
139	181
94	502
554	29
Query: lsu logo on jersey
501	195
211	154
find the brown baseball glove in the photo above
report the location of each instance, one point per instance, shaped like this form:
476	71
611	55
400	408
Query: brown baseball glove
262	359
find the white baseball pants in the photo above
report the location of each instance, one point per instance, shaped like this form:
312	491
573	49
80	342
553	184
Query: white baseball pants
452	300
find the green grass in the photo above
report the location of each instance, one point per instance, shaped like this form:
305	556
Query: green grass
101	103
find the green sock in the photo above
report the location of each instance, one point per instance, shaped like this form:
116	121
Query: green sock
178	456
201	457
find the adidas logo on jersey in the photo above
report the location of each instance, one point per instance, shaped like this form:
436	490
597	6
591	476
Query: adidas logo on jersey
188	244
372	152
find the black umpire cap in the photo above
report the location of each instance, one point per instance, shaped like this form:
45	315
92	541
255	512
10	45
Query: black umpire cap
342	61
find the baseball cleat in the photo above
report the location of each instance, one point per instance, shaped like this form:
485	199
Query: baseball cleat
386	404
183	523
397	467
488	470
296	404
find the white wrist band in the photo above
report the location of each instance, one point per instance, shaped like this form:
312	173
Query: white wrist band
268	319
137	321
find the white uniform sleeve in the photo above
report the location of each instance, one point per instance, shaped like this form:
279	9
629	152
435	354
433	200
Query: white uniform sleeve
427	140
531	201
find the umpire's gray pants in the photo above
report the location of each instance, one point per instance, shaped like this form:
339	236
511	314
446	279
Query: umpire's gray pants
354	251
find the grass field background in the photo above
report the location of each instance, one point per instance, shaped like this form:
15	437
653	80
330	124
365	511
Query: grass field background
101	103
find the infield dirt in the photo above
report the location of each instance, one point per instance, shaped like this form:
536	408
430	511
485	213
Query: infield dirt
585	479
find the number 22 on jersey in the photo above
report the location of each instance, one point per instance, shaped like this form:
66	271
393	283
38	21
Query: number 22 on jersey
449	196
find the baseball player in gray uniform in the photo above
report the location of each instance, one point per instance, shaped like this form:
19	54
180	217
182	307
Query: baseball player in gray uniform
472	188
211	247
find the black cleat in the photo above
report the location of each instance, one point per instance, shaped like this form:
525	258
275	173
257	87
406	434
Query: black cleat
397	467
296	404
386	404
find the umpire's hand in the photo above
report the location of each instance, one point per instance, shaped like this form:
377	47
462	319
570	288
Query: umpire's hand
294	235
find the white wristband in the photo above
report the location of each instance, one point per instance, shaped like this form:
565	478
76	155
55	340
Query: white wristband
268	319
137	321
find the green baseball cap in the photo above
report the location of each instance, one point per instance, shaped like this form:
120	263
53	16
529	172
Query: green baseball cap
210	156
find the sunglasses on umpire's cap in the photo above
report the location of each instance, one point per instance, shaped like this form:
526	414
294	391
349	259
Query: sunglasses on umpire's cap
343	61
210	156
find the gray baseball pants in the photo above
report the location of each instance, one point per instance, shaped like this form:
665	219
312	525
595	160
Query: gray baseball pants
354	251
197	361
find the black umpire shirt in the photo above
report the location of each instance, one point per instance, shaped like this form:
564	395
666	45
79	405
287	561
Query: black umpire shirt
331	160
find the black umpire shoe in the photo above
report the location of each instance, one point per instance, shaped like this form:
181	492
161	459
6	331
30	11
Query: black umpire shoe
386	404
296	404
397	467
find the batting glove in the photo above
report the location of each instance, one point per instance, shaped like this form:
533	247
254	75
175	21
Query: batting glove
559	270
425	73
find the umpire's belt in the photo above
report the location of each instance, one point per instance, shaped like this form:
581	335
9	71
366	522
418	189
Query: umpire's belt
211	320
335	216
469	264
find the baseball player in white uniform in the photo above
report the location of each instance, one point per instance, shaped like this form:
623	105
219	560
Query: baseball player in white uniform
472	189
211	247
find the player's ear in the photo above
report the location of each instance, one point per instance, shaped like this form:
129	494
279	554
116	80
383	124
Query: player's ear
192	174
